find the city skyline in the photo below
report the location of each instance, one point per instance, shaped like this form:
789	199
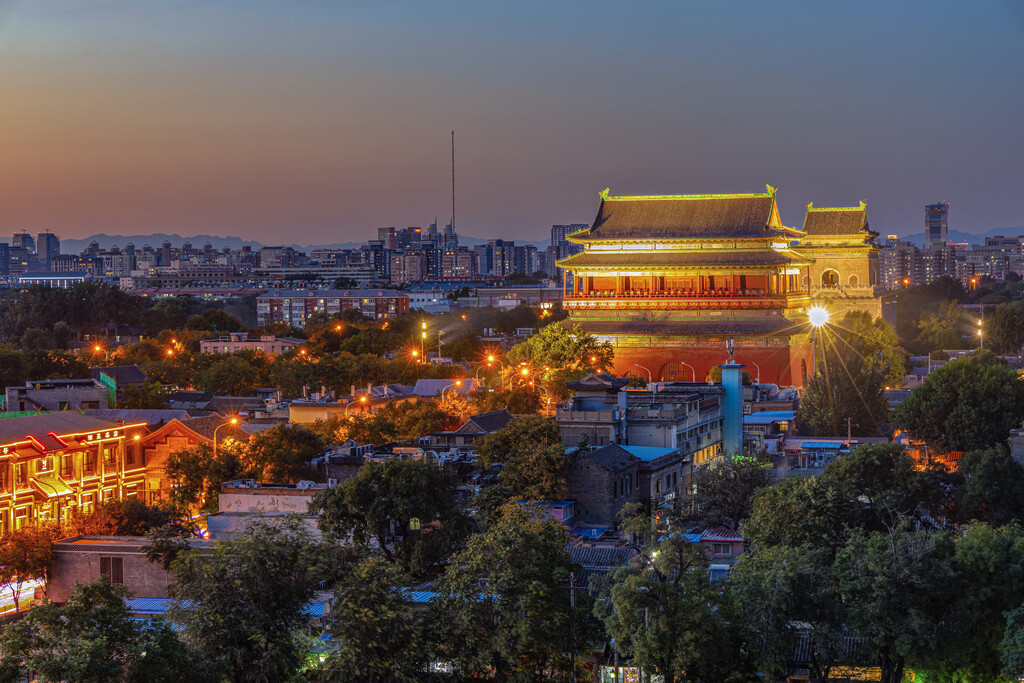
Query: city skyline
319	124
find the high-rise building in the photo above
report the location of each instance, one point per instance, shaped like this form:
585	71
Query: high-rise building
23	240
936	224
47	246
559	232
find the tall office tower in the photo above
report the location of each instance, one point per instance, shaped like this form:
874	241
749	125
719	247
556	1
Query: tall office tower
47	246
5	260
936	224
891	240
23	240
165	251
559	232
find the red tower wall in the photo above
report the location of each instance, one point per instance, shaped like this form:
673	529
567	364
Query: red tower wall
781	365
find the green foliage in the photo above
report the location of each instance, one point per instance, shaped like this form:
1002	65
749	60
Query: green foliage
947	328
374	509
196	475
857	358
86	308
990	487
24	556
724	490
128	517
405	420
798	512
214	320
521	435
503	609
148	395
379	639
518	400
556	355
231	375
964	405
786	592
1004	328
894	584
282	453
94	639
669	618
242	601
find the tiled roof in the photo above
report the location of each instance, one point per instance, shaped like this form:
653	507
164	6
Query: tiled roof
848	221
492	421
649	453
723	535
766	417
205	426
611	457
704	259
600	557
152	417
434	387
122	374
63	422
597	382
764	326
684	217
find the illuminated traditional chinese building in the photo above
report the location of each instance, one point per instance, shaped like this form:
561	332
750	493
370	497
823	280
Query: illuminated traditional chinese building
844	275
54	462
669	280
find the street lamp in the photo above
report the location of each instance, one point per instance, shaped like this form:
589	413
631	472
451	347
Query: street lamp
818	318
754	363
362	401
981	337
650	376
232	421
683	362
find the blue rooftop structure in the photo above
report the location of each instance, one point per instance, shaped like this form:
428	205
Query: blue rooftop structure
649	453
767	417
822	445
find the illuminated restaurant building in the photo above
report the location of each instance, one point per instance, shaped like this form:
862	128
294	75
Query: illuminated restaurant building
669	280
53	463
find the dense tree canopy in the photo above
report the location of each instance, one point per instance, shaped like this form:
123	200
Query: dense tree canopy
964	405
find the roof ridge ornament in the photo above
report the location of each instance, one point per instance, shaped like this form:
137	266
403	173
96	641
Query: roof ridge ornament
772	189
603	194
810	205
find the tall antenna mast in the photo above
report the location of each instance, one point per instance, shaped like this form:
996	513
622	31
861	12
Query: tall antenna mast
453	182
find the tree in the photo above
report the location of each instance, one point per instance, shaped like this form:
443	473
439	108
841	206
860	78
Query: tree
520	435
670	619
816	512
555	355
376	507
196	475
128	517
990	487
724	490
858	358
24	556
787	594
214	320
243	600
964	405
232	375
895	584
517	400
1004	328
503	609
282	453
94	639
147	395
379	639
945	329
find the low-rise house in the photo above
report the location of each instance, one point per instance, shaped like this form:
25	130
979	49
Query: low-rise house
240	341
56	394
472	429
84	559
601	482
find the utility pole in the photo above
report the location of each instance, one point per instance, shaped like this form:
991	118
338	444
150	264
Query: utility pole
849	432
572	603
453	182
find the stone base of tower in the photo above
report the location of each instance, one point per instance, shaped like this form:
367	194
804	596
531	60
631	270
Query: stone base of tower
783	364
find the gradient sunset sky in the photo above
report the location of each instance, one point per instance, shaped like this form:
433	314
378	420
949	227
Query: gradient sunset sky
315	121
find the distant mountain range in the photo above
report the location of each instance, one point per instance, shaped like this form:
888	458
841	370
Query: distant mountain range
73	246
957	236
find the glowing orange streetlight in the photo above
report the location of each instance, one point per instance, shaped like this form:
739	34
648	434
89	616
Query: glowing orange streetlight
232	421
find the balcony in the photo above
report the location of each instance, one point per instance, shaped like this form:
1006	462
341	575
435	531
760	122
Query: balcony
684	299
